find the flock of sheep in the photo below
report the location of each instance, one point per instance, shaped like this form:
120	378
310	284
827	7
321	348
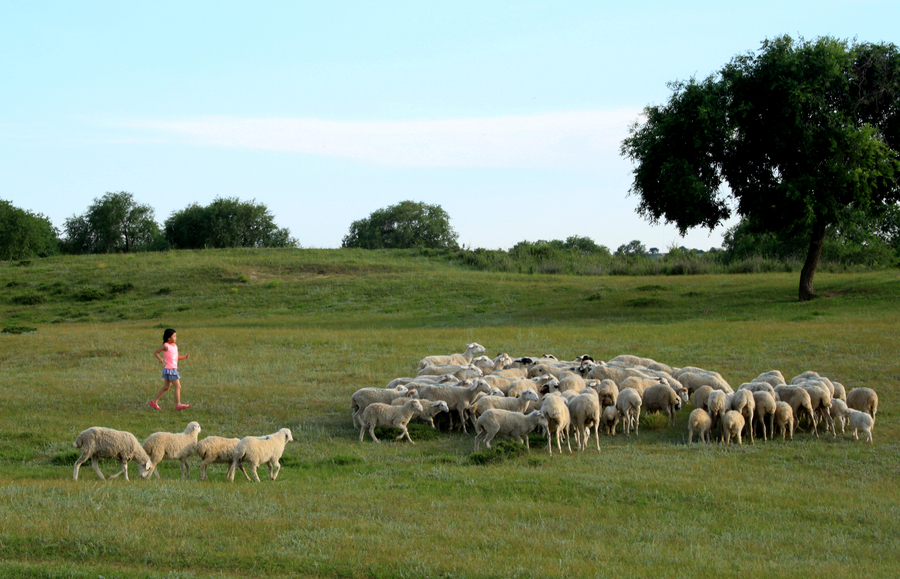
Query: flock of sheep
513	397
98	442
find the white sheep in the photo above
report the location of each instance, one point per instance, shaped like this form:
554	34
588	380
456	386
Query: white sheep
554	409
365	396
211	449
584	411
715	406
488	366
168	445
765	408
458	398
799	400
772	377
864	400
839	391
379	414
784	419
461	371
820	400
472	350
839	413
699	422
732	425
743	401
429	409
638	384
608	391
694	380
516	425
860	420
258	450
517	404
99	442
610	419
628	404
700	396
661	398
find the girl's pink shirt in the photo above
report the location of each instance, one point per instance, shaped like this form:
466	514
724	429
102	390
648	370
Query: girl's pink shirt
170	356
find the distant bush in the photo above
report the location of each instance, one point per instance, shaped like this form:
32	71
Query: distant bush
17	330
89	294
29	299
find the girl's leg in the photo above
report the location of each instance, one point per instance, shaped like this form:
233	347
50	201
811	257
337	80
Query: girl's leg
163	390
177	391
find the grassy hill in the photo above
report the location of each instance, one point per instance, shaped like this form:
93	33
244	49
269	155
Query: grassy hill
282	338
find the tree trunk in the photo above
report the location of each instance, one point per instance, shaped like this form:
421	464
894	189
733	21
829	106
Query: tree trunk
812	261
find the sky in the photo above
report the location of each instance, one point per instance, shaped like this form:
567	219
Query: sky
509	115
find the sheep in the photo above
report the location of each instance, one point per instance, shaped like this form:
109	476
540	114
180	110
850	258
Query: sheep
732	425
860	420
638	384
772	377
554	409
168	445
610	419
699	422
661	398
472	350
517	404
629	406
799	399
99	442
700	397
365	396
442	379
784	418
429	411
839	391
743	401
496	421
765	407
258	450
461	371
540	384
211	449
558	372
584	411
863	399
458	398
488	366
693	380
379	414
758	387
513	372
633	360
603	371
820	400
607	390
715	406
572	382
839	413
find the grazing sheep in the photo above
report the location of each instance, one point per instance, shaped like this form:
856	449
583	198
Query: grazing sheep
743	401
168	445
820	400
517	404
799	400
379	414
429	409
540	384
496	421
629	406
839	413
661	398
98	442
584	410
765	408
365	396
554	409
715	406
864	400
458	398
411	382
603	371
700	396
558	372
640	385
610	419
860	420
573	382
758	387
633	360
784	419
839	391
607	390
699	422
488	366
472	350
258	450
211	449
463	372
694	380
732	425
772	377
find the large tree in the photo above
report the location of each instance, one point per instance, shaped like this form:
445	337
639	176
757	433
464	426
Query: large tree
788	138
25	234
113	223
405	225
226	222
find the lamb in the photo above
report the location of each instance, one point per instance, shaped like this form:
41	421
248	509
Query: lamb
457	398
488	366
472	350
860	420
379	414
629	406
211	449
584	411
365	396
784	418
99	442
699	422
864	400
610	419
429	409
743	401
839	413
168	445
700	397
765	407
463	371
661	398
258	450
518	404
554	409
715	406
732	425
799	399
607	390
496	421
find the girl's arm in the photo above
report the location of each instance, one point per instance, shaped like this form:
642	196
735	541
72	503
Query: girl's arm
184	357
160	349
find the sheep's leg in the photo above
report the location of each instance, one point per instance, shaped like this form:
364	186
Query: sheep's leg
203	466
568	441
488	438
478	438
253	467
406	434
124	465
273	474
185	470
81	460
362	432
372	433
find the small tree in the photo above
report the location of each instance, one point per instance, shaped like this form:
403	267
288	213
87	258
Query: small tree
25	234
632	249
226	222
113	223
405	225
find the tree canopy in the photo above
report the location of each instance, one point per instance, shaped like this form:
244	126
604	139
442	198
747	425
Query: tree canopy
25	234
226	222
404	225
113	223
789	139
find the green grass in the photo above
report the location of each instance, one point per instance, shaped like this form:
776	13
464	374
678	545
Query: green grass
281	338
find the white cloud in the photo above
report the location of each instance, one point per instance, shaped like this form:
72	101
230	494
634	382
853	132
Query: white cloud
560	140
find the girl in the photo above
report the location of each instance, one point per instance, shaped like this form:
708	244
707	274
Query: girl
170	376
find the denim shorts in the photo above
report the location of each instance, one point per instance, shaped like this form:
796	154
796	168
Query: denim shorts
170	374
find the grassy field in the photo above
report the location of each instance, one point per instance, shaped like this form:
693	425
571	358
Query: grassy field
282	338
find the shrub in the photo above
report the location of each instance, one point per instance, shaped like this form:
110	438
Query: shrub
30	299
